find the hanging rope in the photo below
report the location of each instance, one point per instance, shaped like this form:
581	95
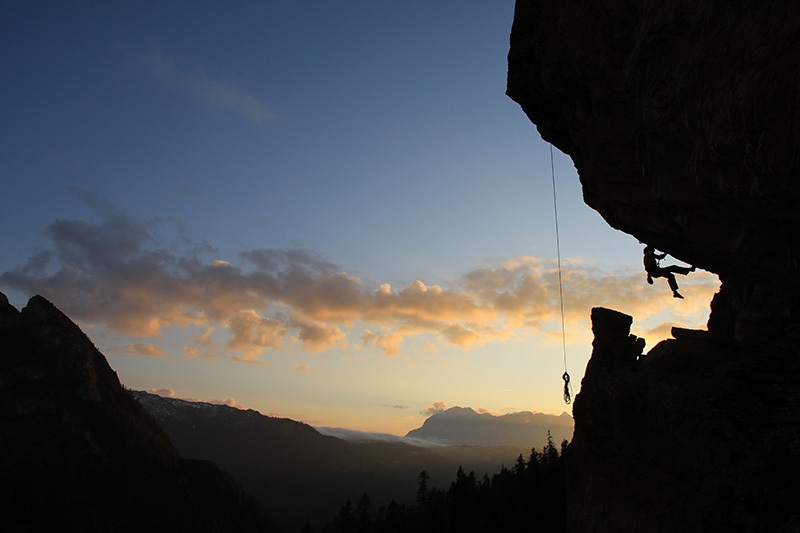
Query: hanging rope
565	376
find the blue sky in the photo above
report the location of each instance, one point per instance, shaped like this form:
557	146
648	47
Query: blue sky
325	211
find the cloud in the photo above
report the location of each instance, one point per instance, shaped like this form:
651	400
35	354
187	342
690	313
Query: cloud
230	402
661	331
169	393
141	277
428	347
252	332
191	352
164	393
302	368
436	407
316	335
210	91
150	350
389	343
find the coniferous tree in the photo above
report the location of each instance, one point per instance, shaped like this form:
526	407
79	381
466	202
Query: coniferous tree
528	497
364	514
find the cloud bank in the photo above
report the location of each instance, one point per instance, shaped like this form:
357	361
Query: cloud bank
122	274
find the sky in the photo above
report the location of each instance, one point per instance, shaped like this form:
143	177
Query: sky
326	211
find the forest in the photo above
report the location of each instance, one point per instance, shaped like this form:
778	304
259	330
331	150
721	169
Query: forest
528	497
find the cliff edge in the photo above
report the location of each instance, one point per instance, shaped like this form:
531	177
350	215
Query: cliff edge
683	122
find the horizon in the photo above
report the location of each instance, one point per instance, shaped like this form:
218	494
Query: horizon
331	430
326	213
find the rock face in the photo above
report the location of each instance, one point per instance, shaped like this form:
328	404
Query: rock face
683	122
78	452
696	435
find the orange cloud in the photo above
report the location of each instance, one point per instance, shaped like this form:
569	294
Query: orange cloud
191	353
164	393
435	407
389	343
316	335
252	332
150	350
117	274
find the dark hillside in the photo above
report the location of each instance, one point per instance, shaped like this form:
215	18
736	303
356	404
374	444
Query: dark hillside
77	452
297	473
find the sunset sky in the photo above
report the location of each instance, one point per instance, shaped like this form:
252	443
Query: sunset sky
327	211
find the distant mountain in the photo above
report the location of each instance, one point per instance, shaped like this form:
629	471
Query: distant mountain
352	435
78	453
464	426
295	472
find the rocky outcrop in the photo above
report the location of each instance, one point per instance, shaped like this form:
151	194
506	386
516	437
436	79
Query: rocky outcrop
683	122
78	452
60	397
673	440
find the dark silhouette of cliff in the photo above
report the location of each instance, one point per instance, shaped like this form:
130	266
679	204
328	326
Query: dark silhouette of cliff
78	453
682	120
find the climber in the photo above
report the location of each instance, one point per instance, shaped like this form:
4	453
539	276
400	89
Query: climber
654	270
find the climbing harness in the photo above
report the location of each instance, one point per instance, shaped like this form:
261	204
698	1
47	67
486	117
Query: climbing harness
565	376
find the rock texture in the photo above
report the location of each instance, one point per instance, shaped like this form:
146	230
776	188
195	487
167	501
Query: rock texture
683	122
78	452
695	435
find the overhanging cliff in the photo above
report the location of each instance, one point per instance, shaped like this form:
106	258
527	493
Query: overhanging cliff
683	120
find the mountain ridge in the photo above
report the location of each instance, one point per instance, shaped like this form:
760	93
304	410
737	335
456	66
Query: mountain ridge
465	426
78	452
293	468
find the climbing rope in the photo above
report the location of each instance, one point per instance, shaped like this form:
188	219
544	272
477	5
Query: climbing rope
565	376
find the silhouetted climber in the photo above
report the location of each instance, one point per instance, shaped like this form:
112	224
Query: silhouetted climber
654	270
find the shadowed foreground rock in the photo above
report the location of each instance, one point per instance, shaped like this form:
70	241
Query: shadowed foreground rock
695	435
683	120
78	452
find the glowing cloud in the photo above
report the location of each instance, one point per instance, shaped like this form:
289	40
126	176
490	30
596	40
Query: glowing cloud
150	350
436	407
389	343
164	393
116	273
